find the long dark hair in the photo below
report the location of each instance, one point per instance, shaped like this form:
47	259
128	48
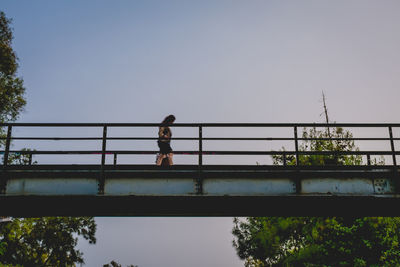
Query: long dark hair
168	120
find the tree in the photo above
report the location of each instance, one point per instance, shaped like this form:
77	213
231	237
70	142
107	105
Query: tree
319	241
12	100
12	91
48	241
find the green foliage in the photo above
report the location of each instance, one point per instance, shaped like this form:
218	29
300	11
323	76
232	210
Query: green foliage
12	90
8	59
333	140
2	248
319	241
12	99
20	159
48	241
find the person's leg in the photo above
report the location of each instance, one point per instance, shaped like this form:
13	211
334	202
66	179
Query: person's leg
160	159
163	152
170	155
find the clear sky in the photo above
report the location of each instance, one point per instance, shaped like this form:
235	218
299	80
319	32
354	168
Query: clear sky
203	61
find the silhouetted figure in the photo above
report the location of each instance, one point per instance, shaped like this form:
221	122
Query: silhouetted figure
164	142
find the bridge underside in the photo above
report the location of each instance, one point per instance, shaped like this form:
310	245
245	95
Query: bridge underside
315	205
184	190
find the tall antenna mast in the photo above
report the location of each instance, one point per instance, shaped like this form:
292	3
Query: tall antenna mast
326	113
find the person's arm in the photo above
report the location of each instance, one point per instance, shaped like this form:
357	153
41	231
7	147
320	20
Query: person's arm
162	135
168	133
160	132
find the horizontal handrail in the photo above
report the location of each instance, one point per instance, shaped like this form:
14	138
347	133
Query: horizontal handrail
193	152
204	138
200	139
331	125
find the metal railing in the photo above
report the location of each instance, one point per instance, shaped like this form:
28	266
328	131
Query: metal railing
200	152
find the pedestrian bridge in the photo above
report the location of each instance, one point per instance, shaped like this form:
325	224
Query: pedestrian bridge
114	189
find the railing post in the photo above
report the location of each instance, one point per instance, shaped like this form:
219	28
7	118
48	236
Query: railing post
368	159
284	159
296	144
199	185
3	179
7	148
115	159
103	161
395	172
392	146
200	146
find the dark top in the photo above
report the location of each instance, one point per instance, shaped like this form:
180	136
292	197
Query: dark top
164	134
164	140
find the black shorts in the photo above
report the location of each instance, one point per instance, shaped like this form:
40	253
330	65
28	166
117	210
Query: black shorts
165	148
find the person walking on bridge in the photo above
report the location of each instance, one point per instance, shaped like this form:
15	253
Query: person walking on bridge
164	141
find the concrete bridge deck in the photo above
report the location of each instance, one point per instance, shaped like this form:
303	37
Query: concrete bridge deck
186	190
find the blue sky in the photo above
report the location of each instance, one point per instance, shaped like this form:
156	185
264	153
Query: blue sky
136	61
204	61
